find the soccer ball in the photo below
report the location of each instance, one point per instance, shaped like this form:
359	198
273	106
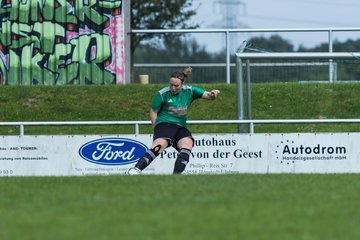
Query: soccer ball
133	171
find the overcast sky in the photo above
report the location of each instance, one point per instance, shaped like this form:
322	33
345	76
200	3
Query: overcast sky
261	14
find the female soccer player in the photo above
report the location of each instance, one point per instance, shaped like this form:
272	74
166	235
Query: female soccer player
168	114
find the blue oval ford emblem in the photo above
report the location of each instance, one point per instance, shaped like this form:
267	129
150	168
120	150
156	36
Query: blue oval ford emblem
112	151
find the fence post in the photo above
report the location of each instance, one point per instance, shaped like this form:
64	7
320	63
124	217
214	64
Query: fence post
227	57
248	89
240	94
331	63
22	130
137	129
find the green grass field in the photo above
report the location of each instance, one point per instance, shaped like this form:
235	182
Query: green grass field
242	206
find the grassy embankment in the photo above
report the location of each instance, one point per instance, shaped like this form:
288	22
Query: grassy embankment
132	102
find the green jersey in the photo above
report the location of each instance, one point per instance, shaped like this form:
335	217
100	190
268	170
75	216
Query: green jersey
172	108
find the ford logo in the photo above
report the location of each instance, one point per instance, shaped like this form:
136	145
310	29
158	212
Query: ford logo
112	151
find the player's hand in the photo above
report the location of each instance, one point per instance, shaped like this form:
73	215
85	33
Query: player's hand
214	93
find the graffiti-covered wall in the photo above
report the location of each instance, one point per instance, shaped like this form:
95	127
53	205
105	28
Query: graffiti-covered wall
57	42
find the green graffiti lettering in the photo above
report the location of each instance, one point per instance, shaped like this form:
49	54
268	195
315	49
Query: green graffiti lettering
48	36
5	33
3	72
40	73
12	12
24	36
14	69
90	13
26	56
34	40
64	14
43	40
91	67
59	63
25	69
29	11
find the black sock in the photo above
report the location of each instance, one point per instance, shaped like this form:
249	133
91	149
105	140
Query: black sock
182	160
145	160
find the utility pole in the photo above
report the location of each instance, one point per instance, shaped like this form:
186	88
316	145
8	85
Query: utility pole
230	11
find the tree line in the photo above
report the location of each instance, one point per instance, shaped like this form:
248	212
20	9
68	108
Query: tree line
188	50
175	48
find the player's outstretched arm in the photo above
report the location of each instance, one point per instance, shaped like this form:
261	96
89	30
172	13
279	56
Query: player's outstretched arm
211	95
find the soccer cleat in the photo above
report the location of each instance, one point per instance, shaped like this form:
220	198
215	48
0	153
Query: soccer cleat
133	171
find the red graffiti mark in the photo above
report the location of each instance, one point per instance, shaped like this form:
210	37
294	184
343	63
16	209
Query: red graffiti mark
71	27
107	24
58	39
41	18
116	12
14	36
107	63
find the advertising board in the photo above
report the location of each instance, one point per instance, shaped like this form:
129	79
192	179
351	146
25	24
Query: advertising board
212	154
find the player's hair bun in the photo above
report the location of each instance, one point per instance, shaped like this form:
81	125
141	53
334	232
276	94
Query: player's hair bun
187	71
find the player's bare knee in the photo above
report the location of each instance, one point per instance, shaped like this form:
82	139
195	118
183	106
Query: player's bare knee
159	145
156	149
186	143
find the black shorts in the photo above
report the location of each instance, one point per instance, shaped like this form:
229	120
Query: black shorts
171	132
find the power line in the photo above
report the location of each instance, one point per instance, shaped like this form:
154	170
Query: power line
298	20
341	3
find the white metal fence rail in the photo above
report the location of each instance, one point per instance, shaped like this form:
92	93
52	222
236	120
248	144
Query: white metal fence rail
137	124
